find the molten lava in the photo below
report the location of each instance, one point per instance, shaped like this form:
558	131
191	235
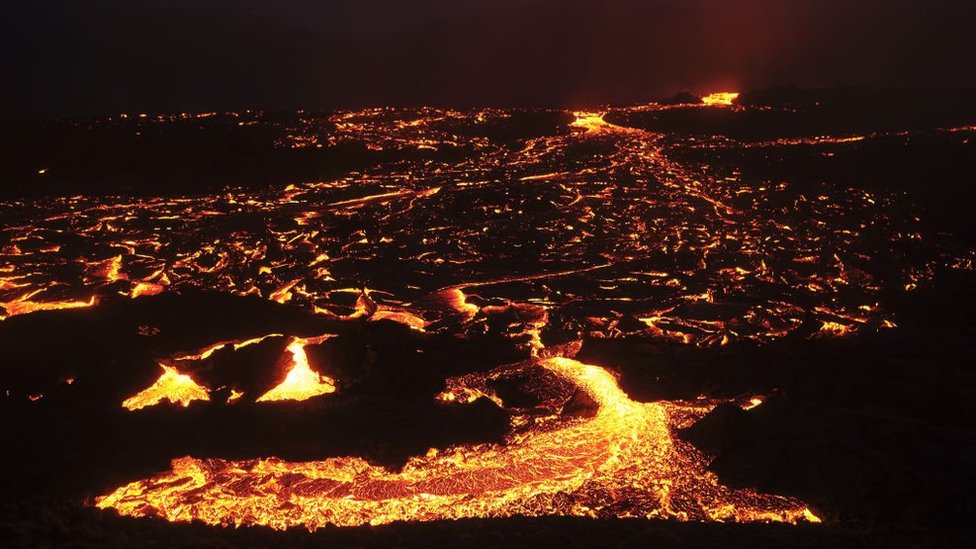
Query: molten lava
608	221
172	386
589	230
589	121
301	382
23	307
720	99
145	288
626	450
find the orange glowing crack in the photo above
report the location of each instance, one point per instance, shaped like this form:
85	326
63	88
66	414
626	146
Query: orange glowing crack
172	386
15	308
393	194
457	301
403	317
626	449
207	351
109	269
836	329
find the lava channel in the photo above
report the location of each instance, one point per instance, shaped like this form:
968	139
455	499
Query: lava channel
622	462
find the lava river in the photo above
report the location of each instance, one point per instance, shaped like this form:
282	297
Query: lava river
622	461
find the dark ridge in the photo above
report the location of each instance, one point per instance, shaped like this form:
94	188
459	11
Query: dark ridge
43	523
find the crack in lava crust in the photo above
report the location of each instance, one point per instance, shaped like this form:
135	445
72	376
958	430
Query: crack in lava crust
625	450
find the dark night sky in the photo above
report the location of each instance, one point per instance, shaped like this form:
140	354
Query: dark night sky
91	56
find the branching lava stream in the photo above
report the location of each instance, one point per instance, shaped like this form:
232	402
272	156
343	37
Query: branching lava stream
590	227
626	450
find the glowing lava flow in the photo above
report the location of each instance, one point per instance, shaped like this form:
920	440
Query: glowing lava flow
626	218
145	288
301	383
457	301
626	450
172	386
23	307
720	99
589	121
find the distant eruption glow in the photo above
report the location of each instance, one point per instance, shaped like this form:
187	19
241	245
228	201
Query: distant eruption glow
720	99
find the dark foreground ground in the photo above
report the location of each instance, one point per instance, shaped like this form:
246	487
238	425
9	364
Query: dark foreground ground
70	526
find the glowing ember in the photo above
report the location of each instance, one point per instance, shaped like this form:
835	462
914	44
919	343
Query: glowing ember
301	383
172	386
720	99
829	327
753	402
626	449
109	269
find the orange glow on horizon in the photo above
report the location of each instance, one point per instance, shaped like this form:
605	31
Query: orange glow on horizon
720	99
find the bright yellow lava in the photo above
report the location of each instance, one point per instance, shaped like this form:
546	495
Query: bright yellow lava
589	121
172	386
720	99
145	288
585	467
301	383
23	307
611	227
